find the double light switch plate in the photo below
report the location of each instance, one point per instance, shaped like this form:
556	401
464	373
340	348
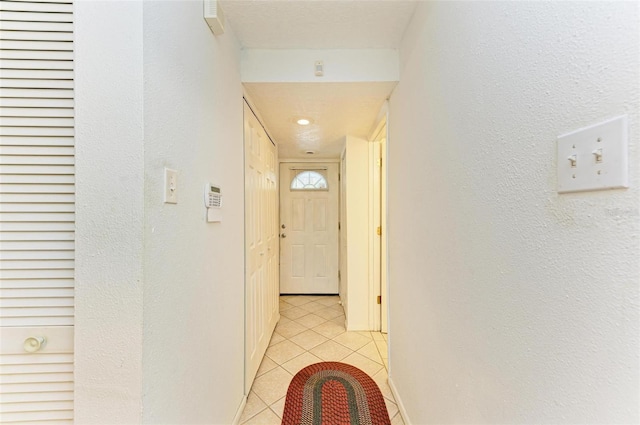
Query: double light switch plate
594	157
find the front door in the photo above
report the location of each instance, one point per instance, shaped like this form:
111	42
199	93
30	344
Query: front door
309	228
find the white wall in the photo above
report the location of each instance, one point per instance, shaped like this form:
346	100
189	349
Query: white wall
109	212
155	88
193	357
356	278
511	303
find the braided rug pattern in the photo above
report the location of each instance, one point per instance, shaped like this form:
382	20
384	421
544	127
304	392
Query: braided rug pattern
333	393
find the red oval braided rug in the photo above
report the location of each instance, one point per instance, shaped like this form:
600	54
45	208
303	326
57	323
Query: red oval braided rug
333	393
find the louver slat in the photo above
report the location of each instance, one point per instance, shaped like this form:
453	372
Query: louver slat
37	210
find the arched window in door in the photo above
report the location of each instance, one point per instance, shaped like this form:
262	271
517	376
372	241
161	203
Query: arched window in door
308	180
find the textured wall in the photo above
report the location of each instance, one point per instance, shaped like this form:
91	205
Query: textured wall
109	212
173	353
193	356
511	303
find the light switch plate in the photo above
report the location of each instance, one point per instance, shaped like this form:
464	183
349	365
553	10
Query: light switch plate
594	157
170	186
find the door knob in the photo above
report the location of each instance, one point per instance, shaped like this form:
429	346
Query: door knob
283	235
284	227
34	343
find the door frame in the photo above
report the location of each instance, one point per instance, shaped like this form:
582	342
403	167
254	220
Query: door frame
378	213
375	222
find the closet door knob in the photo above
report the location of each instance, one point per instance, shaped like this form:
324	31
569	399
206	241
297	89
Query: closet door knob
34	343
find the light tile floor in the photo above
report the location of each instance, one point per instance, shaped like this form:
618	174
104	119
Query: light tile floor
311	330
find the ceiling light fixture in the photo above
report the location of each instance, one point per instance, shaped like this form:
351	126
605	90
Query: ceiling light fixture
304	121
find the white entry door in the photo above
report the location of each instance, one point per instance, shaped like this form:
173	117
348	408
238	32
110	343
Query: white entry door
261	232
309	228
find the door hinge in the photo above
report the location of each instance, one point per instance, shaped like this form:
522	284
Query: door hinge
379	162
338	225
379	299
379	231
339	275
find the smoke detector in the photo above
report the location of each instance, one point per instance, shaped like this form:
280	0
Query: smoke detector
214	16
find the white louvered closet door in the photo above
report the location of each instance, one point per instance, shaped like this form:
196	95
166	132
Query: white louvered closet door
36	211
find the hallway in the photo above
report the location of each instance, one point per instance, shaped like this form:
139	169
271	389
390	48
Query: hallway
509	299
312	330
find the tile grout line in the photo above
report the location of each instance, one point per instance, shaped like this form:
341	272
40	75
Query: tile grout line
258	412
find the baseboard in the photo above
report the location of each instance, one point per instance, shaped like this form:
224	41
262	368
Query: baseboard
243	403
399	403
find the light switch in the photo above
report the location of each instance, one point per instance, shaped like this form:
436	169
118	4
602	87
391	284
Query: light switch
170	186
594	157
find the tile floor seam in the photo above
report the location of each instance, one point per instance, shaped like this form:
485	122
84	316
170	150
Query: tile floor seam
259	411
379	353
345	346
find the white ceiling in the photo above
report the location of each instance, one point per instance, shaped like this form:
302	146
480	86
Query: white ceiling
318	24
337	109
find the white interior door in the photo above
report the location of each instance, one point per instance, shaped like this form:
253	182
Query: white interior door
261	233
37	208
309	228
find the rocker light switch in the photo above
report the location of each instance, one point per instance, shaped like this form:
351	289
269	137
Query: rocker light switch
594	157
